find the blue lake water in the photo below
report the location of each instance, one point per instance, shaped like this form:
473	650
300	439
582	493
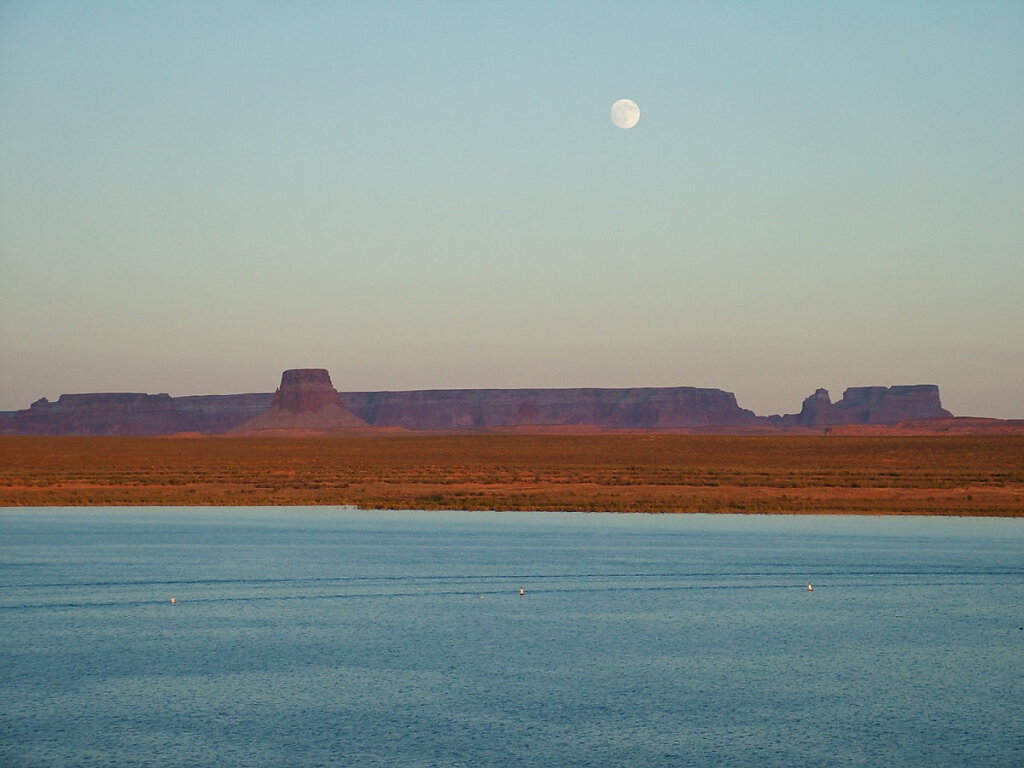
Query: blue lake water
315	637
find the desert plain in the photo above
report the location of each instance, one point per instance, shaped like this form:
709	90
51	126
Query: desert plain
967	475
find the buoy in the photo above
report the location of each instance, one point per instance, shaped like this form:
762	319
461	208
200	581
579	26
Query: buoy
522	591
810	587
174	601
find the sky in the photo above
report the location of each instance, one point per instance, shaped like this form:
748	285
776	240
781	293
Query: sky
195	196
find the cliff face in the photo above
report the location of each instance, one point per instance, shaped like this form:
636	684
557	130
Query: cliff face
868	405
306	401
305	389
888	405
213	414
7	423
815	409
646	408
106	413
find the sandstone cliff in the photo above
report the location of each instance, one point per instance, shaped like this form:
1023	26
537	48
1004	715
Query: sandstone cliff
104	413
214	414
306	401
868	405
466	409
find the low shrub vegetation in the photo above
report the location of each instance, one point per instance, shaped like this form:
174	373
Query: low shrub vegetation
947	475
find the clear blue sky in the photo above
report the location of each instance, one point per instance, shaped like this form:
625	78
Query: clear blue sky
195	196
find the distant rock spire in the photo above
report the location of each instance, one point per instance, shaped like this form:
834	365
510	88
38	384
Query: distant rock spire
306	401
305	389
816	408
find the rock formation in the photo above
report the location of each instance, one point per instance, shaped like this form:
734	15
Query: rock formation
888	405
306	401
467	409
868	405
816	409
214	414
103	413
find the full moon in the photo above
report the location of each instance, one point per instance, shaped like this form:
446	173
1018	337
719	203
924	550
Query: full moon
625	113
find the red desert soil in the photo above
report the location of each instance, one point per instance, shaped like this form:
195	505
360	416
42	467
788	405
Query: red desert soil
959	425
913	475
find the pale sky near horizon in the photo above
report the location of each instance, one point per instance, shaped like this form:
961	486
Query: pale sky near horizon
195	196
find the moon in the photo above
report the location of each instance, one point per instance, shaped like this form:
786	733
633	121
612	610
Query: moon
625	113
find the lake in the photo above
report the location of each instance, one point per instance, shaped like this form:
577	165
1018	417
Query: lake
331	636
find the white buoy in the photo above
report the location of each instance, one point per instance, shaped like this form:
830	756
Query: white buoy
810	587
522	591
174	601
